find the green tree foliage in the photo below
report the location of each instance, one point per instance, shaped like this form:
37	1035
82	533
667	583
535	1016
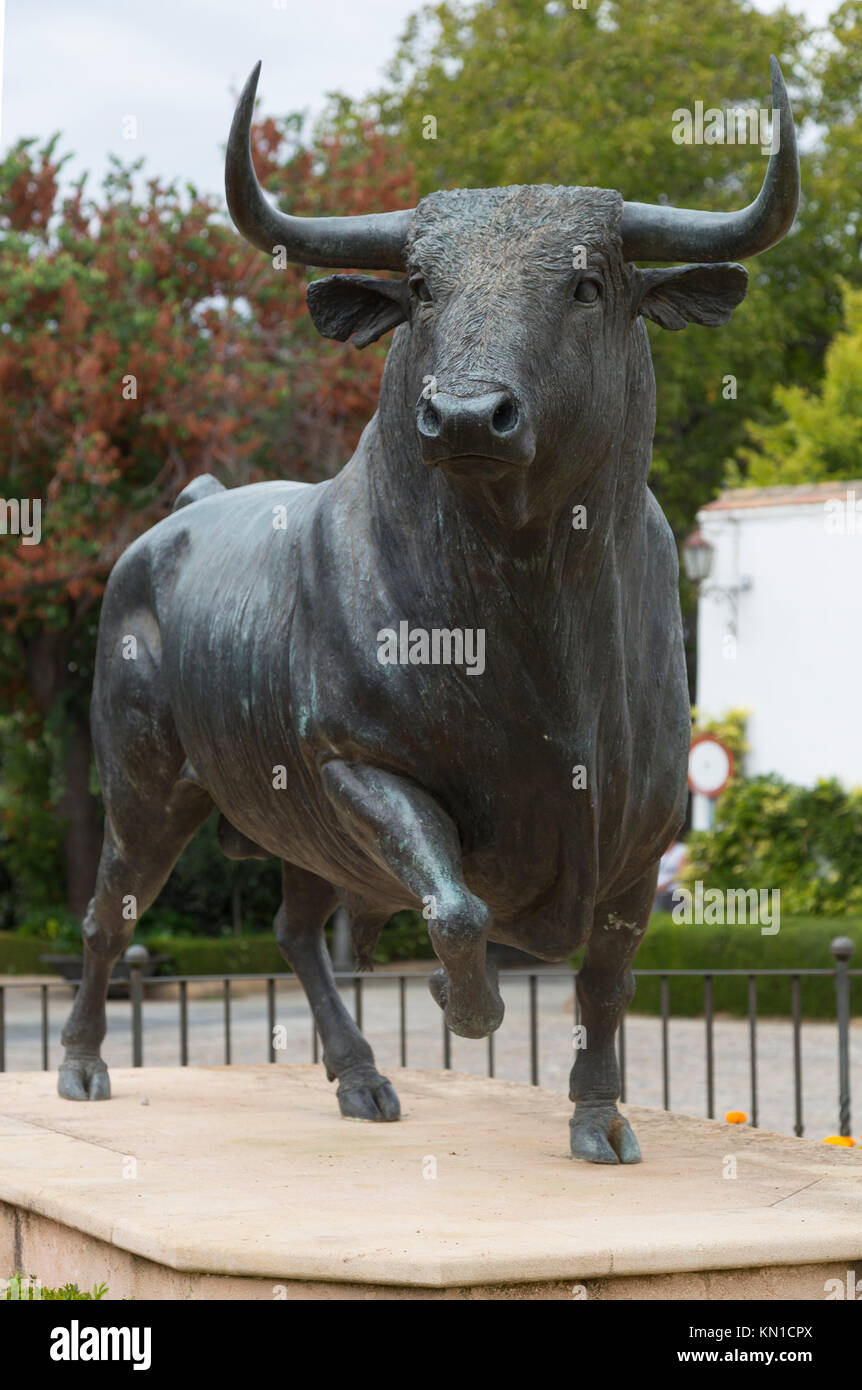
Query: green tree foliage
142	342
819	434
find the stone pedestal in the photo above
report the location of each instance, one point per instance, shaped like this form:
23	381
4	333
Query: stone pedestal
244	1182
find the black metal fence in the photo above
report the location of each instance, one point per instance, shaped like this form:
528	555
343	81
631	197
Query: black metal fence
841	949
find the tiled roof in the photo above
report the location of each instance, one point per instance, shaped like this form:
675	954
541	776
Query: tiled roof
806	493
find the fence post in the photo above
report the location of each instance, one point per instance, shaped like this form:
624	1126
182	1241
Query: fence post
842	950
136	957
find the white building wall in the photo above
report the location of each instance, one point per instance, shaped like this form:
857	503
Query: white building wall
797	660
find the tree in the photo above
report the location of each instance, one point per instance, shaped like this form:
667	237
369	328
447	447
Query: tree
142	343
818	434
109	350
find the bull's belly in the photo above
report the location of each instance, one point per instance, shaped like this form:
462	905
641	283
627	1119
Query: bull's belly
531	843
536	907
536	875
535	866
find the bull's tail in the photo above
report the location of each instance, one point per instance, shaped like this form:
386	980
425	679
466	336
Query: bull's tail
204	485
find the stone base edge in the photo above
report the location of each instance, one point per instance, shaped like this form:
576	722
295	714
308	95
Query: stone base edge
37	1247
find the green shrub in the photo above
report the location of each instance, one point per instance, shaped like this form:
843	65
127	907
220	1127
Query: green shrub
60	932
804	841
404	938
198	896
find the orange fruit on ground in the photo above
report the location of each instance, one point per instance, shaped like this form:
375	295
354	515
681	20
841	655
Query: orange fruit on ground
843	1141
736	1117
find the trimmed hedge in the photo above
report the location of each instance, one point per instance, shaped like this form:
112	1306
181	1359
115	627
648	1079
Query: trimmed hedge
19	954
201	955
405	938
802	943
219	955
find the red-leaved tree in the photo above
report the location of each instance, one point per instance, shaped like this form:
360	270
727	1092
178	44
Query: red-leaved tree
141	343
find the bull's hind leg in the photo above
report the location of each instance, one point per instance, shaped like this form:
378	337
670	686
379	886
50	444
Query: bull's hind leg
599	1133
363	1094
407	831
153	806
138	852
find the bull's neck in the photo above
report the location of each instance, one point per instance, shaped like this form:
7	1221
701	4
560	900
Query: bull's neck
592	516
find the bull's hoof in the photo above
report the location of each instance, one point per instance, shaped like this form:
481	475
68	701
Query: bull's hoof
372	1100
468	1018
603	1136
84	1078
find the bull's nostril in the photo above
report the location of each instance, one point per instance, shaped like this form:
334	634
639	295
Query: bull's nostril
430	420
505	417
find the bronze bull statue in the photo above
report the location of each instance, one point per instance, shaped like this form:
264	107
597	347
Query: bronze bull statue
451	677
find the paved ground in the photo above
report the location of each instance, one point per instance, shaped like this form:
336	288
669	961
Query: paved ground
687	1049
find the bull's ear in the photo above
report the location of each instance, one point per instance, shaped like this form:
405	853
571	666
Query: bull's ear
357	306
706	294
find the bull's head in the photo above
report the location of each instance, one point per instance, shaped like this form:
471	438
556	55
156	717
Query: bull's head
516	351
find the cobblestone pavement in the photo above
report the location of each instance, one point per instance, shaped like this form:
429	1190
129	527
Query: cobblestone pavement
511	1045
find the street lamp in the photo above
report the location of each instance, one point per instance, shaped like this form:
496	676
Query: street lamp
697	558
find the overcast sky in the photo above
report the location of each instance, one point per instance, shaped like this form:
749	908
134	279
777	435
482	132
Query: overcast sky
82	66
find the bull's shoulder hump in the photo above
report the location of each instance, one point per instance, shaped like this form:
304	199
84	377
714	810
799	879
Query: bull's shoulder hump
216	507
204	520
250	496
204	485
272	502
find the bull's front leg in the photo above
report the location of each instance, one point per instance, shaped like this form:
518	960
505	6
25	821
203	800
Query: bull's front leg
599	1133
408	833
363	1094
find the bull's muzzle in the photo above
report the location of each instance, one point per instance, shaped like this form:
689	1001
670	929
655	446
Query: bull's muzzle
472	429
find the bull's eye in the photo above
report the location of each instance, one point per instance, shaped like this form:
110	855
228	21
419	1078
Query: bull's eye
419	286
587	291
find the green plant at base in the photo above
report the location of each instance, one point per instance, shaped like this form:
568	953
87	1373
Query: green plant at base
29	1291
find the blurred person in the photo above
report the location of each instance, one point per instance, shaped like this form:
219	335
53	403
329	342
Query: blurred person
670	870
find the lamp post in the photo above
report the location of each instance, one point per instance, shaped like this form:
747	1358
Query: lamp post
697	560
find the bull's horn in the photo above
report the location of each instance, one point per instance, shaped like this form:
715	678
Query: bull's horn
372	242
651	232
